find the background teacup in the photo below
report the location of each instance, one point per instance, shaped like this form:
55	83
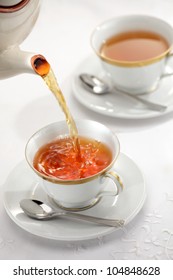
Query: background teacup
134	75
79	193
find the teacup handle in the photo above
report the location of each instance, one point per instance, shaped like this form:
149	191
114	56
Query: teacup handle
116	180
167	74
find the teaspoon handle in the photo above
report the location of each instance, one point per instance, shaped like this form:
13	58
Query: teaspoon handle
149	104
97	220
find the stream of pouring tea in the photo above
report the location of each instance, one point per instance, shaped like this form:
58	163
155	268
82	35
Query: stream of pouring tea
42	67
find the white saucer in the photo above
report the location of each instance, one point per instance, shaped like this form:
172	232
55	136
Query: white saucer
21	183
116	104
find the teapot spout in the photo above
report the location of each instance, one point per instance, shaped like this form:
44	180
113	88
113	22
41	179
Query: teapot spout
40	65
15	61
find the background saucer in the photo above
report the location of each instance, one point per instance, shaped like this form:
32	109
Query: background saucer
21	183
116	104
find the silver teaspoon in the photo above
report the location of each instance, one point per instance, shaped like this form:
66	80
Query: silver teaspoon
39	210
99	87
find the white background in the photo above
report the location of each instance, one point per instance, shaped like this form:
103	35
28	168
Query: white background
62	34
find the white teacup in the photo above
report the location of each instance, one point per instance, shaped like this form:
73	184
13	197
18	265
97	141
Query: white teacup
136	77
81	193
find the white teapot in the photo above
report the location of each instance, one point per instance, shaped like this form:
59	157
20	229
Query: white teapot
17	18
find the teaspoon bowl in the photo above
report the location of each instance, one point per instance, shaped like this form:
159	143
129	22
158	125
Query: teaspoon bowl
39	210
97	86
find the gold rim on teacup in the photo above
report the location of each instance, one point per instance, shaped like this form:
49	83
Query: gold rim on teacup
124	63
136	63
71	182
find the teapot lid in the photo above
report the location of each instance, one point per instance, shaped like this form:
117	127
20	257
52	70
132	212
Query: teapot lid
8	6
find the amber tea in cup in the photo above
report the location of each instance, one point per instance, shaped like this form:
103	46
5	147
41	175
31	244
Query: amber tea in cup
137	45
59	159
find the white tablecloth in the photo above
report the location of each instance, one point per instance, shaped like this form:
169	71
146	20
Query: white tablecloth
62	34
